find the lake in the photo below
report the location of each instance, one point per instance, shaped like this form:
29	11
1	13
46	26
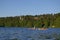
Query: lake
16	33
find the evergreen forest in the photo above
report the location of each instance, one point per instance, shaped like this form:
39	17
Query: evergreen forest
50	21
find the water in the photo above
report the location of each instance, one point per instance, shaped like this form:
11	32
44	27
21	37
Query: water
29	34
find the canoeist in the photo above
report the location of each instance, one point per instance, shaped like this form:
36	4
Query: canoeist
43	24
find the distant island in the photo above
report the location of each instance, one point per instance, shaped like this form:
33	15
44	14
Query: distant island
29	21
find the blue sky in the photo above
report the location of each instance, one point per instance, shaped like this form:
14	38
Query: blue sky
28	7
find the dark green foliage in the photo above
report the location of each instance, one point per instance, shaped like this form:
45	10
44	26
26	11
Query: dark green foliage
50	21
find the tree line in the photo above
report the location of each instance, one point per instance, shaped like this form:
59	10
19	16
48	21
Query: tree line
50	21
